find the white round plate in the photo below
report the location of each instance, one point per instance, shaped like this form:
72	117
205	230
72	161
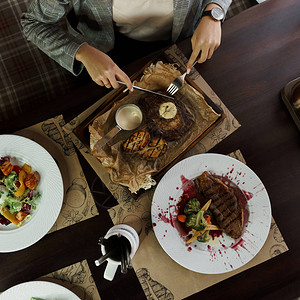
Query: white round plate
222	254
24	150
38	289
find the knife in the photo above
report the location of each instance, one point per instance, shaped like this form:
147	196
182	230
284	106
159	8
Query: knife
144	90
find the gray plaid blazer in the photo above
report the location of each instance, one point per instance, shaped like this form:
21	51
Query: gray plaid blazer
95	26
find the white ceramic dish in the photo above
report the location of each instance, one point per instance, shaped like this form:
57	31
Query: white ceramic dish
38	289
217	256
24	150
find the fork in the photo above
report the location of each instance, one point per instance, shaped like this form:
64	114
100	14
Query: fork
178	82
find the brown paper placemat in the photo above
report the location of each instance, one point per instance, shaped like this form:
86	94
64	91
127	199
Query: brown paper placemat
77	278
220	132
78	203
159	274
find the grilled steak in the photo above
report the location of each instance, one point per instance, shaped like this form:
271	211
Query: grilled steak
169	129
225	206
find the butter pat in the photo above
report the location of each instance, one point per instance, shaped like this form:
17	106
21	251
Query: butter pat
167	110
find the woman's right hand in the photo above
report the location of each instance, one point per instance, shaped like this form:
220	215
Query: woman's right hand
101	67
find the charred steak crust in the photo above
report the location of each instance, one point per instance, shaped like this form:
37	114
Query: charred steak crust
168	129
225	206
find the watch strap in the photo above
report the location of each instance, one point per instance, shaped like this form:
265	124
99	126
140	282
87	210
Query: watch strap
207	13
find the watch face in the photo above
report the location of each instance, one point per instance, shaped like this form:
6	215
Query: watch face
217	13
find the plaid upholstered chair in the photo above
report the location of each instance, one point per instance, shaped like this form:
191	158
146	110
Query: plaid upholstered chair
238	6
27	76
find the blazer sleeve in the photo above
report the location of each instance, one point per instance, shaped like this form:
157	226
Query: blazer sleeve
41	26
223	3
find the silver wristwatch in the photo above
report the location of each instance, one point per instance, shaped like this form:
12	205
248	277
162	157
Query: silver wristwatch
216	13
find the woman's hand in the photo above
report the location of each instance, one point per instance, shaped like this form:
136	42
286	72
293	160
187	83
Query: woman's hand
206	38
101	67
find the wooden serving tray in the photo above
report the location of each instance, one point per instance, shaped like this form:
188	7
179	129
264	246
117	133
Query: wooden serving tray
286	95
82	130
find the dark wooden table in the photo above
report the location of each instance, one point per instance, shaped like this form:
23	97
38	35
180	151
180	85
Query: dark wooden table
258	56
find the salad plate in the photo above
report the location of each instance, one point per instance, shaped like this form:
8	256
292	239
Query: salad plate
25	151
38	289
221	253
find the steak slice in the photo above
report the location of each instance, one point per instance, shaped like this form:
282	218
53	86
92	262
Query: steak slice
168	129
225	206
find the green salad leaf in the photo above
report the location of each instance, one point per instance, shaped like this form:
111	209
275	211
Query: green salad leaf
14	204
10	181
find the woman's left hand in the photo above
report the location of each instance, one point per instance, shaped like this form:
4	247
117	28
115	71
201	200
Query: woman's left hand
206	38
